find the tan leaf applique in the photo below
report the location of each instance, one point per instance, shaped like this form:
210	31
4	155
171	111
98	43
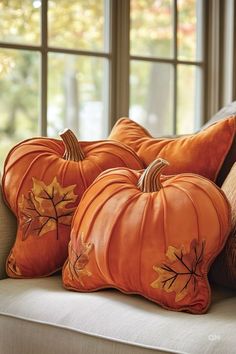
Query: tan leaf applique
45	208
78	260
181	272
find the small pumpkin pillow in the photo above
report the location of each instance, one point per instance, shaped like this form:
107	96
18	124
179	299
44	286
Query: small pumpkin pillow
202	153
142	235
43	182
223	270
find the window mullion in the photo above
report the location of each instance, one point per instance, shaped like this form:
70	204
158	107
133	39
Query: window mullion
213	60
112	64
175	28
122	58
44	67
234	55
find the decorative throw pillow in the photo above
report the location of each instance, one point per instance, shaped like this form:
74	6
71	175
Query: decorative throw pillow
202	153
143	235
43	182
224	112
223	270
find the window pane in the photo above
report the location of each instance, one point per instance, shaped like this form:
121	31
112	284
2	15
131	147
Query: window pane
19	99
20	21
189	99
151	96
78	91
77	24
152	28
190	26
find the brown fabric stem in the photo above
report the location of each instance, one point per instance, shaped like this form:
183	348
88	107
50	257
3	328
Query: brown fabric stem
150	179
73	151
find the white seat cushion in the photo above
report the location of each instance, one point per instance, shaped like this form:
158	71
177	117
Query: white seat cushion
38	316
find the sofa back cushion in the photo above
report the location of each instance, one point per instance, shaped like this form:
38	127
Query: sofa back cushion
226	111
7	233
223	270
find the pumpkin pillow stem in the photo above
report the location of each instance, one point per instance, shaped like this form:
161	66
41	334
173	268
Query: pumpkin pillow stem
73	150
150	179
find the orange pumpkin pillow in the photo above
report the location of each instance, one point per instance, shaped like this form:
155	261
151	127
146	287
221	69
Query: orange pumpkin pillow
223	270
202	153
147	236
43	182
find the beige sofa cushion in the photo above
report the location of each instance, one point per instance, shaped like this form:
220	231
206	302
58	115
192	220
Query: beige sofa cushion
37	316
7	232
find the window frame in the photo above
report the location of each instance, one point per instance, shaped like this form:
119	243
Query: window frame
119	58
174	61
44	49
123	59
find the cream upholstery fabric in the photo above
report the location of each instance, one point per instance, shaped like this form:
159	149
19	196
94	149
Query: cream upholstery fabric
7	233
40	317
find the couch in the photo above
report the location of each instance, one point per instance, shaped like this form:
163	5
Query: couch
38	316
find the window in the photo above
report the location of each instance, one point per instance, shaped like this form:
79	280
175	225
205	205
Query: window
166	68
83	63
54	69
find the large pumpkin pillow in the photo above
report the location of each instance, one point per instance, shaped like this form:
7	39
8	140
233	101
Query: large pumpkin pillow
43	182
202	153
223	270
140	234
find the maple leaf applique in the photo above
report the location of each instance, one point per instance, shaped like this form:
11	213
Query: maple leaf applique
45	208
77	261
181	272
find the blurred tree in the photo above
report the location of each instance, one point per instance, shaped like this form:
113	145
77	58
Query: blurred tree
76	24
19	83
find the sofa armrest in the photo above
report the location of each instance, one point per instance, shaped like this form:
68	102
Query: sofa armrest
7	233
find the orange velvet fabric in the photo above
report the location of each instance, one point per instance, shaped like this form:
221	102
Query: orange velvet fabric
43	190
202	153
159	244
